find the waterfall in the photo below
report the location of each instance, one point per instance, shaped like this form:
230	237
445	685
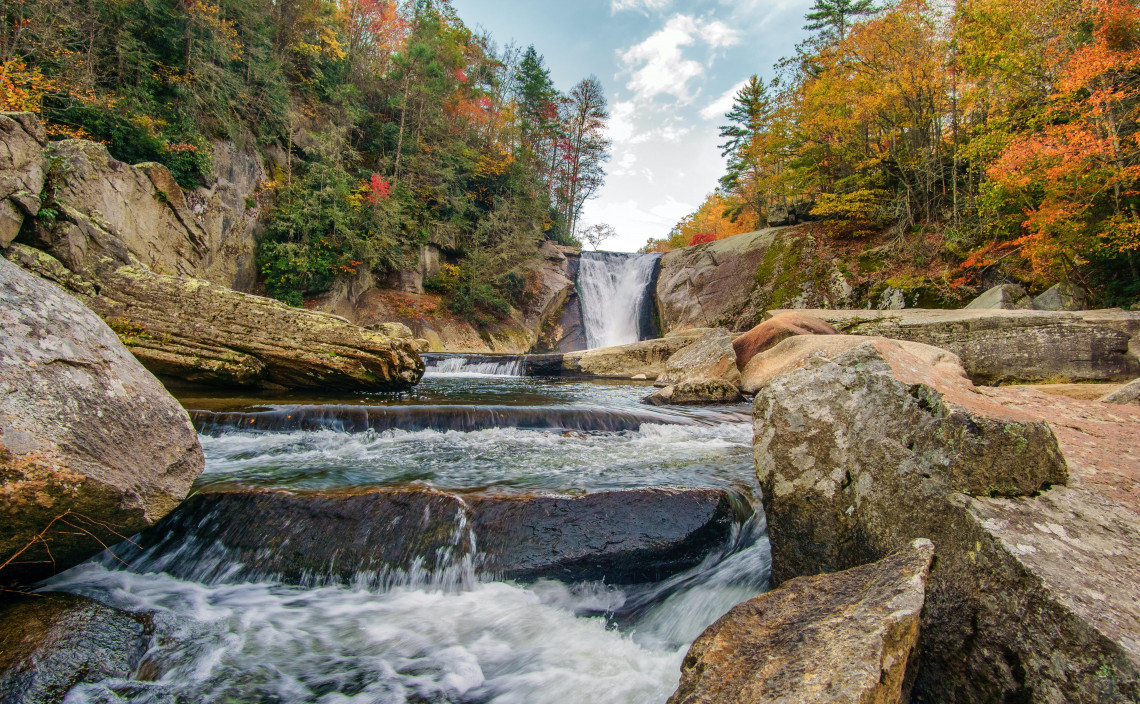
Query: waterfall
616	292
472	365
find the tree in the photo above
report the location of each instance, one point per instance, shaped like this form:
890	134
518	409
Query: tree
586	151
832	18
596	235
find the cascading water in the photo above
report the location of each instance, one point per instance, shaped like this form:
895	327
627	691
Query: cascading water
472	365
617	297
229	625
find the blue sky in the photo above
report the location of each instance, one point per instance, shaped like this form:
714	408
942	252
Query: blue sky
670	68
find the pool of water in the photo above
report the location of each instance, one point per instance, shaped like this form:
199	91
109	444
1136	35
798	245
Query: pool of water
464	639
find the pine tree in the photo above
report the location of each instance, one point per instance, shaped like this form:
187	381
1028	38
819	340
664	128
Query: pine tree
832	18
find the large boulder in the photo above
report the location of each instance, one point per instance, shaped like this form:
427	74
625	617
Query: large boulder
621	537
1005	297
92	447
843	637
1033	596
23	168
775	330
703	391
191	330
710	357
794	352
1062	297
731	282
50	643
1003	346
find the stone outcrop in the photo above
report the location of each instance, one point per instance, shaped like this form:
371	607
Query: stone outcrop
1003	297
731	282
50	643
92	447
795	351
647	357
843	637
622	537
104	208
547	322
23	168
191	330
1033	596
775	330
1012	346
1062	297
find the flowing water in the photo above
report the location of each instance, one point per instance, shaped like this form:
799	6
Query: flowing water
617	297
442	632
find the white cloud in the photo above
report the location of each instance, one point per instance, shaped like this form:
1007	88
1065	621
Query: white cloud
657	66
620	125
717	108
619	5
623	165
668	133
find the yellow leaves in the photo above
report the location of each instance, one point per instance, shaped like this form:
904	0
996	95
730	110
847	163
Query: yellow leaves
21	88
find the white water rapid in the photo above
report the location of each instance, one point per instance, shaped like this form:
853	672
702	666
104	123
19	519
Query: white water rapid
617	303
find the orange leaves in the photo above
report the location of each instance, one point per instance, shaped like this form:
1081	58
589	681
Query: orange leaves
21	88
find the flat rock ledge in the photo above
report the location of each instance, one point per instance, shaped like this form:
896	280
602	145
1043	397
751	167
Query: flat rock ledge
841	638
1032	502
191	330
622	537
1010	346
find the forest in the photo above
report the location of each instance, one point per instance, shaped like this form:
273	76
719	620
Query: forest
391	125
961	138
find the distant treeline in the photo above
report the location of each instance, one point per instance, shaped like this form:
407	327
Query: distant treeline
1004	131
392	125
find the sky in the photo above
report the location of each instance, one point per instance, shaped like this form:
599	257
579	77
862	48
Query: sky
670	69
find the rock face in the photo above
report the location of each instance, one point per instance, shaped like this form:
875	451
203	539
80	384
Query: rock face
86	433
1032	597
795	351
22	171
1006	296
731	282
843	637
543	324
621	537
51	643
1012	346
193	331
774	331
710	357
1062	297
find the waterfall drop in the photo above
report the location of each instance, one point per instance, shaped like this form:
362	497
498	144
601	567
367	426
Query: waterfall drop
616	292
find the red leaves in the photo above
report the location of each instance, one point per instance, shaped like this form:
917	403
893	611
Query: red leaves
378	189
702	238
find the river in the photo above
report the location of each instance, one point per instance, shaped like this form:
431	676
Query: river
443	631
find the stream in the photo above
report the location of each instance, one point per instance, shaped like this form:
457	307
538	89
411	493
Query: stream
441	630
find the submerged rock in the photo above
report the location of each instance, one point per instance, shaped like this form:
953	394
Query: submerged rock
620	537
775	330
49	643
194	331
1006	296
92	447
1003	346
842	637
1033	596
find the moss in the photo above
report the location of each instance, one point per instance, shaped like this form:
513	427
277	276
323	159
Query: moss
779	271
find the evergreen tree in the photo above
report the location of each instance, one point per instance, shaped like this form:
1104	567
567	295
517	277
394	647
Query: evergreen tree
832	18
